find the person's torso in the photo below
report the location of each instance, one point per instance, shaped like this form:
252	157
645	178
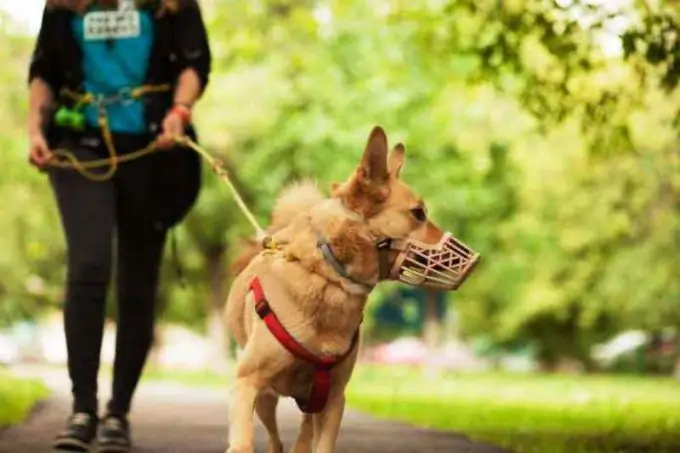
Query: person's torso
116	48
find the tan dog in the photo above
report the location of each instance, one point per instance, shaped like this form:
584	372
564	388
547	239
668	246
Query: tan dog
325	256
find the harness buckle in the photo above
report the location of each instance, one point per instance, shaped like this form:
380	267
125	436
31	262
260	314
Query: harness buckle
262	308
125	96
268	243
384	244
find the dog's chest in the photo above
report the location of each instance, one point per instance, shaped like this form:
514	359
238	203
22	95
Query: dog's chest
295	381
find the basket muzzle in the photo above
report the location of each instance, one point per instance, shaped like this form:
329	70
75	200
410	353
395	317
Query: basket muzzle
443	266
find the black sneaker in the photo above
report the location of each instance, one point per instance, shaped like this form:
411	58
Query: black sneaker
78	434
114	435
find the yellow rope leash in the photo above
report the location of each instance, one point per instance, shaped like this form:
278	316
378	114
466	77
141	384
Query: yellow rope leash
67	160
70	161
218	167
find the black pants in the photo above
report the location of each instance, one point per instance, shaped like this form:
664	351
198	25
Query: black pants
103	221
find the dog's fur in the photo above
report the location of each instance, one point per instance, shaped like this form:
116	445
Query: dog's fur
320	308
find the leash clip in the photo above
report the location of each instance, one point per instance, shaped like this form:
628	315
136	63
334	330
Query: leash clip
125	96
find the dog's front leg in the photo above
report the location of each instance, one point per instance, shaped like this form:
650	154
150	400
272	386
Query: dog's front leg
327	425
241	407
303	444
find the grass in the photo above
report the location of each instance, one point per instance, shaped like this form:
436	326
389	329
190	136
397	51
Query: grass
17	398
526	413
530	413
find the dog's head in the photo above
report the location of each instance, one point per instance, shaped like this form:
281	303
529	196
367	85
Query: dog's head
413	249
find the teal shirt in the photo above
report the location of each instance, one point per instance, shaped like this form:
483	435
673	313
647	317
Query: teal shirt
114	66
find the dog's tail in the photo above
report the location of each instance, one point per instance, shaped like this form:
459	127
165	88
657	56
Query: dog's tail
294	200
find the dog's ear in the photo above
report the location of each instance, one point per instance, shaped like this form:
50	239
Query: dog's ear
396	160
368	187
373	167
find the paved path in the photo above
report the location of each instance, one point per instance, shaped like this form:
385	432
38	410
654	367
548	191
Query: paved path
175	418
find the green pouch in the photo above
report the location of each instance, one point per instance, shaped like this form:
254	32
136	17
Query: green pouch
71	118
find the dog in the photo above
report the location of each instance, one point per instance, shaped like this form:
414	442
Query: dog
296	304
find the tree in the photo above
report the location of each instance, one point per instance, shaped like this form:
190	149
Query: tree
543	134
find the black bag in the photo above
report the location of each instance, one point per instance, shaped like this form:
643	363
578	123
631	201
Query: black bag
176	184
164	184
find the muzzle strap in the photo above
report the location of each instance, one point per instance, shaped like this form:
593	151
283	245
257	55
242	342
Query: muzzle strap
384	268
443	266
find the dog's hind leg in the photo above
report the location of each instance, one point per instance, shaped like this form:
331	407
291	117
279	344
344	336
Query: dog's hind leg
327	425
303	444
265	406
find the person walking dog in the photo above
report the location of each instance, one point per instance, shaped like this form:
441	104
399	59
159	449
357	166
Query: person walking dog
108	77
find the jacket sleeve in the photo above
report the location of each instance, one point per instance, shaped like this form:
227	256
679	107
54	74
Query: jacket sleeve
45	58
190	40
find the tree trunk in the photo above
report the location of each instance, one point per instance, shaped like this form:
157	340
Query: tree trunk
156	347
431	333
547	361
154	359
215	322
432	327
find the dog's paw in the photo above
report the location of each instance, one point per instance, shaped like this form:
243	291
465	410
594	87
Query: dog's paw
275	447
241	449
301	449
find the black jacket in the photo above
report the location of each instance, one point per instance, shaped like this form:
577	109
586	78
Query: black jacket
180	42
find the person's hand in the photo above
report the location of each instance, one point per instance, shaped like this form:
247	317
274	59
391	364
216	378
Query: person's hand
39	153
173	126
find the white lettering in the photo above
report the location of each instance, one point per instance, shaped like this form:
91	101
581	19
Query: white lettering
102	25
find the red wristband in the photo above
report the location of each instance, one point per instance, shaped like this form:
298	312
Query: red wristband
183	112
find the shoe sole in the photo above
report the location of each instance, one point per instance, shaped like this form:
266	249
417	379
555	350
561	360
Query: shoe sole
113	449
71	445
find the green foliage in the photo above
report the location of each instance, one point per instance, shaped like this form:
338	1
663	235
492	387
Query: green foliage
541	133
29	245
528	413
17	398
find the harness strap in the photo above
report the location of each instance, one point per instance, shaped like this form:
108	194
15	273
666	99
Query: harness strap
113	159
323	365
128	93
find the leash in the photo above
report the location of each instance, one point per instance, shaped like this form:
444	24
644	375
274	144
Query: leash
67	160
218	167
74	119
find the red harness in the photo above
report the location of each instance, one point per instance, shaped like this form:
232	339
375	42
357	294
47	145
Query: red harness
322	365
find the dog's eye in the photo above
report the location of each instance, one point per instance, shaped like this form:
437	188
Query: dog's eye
419	214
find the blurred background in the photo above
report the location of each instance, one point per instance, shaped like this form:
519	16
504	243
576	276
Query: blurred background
544	134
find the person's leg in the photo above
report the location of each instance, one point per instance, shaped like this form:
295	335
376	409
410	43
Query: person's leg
86	210
140	248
